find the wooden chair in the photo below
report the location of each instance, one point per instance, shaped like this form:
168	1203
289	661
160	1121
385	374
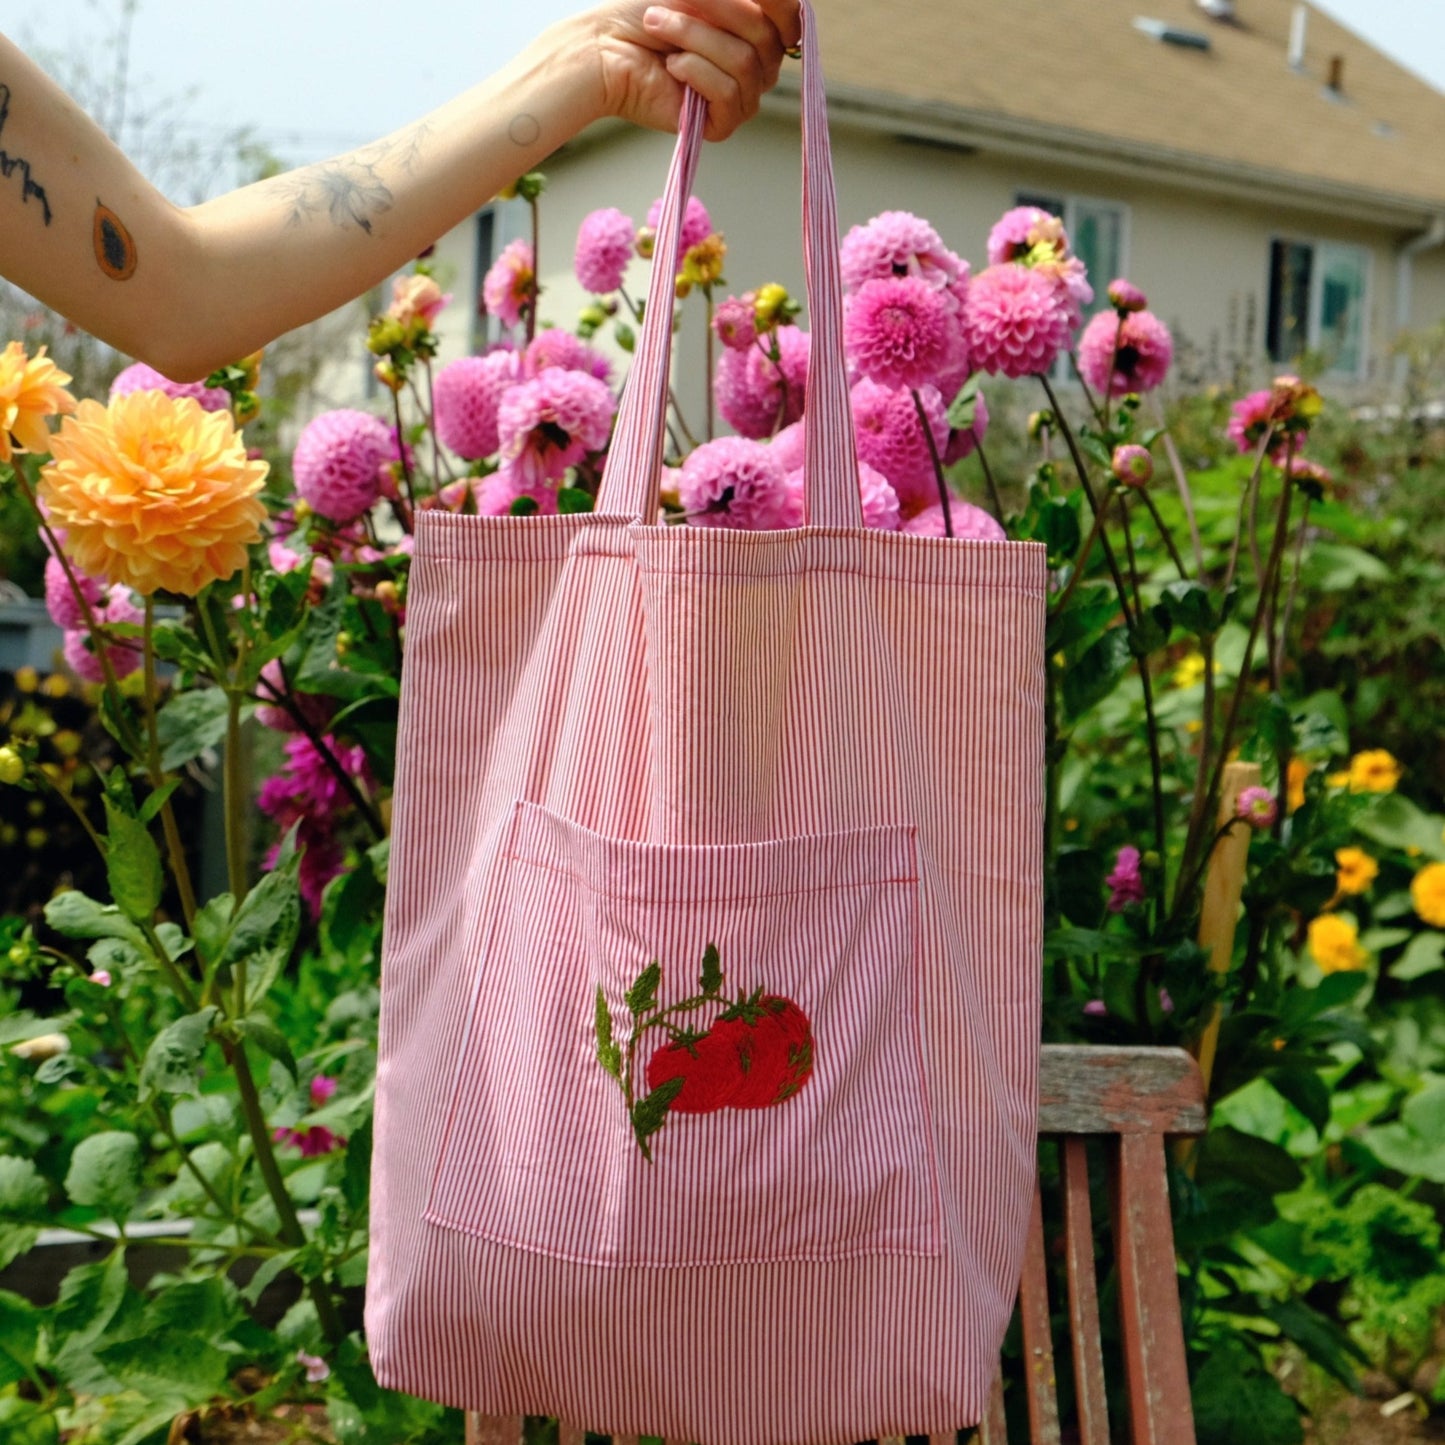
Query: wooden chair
1122	1103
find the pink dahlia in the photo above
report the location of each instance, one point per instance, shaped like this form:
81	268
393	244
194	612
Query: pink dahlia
1026	231
315	708
498	494
900	331
696	223
79	646
555	347
885	421
140	377
789	447
60	599
1122	352
734	482
510	286
468	393
1249	418
964	441
1125	296
1126	882
1016	321
1258	807
969	522
736	322
604	247
550	423
338	460
880	501
757	395
898	243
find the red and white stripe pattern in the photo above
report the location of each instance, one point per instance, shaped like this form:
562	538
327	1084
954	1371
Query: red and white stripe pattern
820	749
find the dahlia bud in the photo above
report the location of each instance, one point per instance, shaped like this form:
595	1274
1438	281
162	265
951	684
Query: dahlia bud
1132	465
386	373
735	322
1125	296
771	305
703	263
245	407
12	766
384	335
682	288
1258	807
251	365
646	242
1039	423
531	186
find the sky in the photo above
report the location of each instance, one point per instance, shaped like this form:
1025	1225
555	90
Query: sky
310	78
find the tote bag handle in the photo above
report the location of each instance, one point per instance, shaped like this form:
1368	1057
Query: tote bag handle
634	467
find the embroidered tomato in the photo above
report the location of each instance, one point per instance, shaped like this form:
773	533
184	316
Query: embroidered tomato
774	1053
708	1069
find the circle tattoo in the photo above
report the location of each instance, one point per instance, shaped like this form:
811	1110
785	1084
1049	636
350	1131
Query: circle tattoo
525	130
114	244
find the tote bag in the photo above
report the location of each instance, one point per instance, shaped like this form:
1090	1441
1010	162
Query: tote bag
759	811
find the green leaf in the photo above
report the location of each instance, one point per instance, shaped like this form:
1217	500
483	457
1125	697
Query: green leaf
28	1422
1425	954
1236	1399
1230	1153
16	1241
104	1173
643	993
90	1295
265	928
73	914
1091	611
157	800
650	1114
257	1029
1306	1091
212	927
1095	674
173	1364
270	1269
19	1337
962	409
626	337
189	723
1096	448
173	1061
175	642
523	507
573	500
1190	607
1397	823
1304	1005
356	1176
24	1194
712	974
132	865
350	910
1057	527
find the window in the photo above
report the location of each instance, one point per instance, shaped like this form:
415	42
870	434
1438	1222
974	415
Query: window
1317	302
1097	235
484	329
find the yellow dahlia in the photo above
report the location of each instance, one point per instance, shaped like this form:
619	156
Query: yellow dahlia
30	391
153	492
1334	943
1374	771
1299	771
1427	893
1357	870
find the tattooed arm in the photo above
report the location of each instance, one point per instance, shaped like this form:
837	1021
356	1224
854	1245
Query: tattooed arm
188	290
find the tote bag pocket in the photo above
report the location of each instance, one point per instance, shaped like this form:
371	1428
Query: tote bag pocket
778	981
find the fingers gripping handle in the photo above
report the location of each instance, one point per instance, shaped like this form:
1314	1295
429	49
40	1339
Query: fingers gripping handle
631	484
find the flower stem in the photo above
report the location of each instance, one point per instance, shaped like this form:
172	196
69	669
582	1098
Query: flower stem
994	497
175	849
711	363
936	460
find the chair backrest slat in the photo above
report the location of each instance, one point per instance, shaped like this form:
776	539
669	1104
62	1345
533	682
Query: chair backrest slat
494	1429
1089	1393
1039	1374
993	1428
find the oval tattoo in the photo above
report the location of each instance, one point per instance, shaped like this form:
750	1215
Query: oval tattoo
114	245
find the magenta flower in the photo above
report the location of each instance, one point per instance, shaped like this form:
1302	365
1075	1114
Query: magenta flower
1096	1008
467	395
1023	231
900	331
1249	418
1125	352
756	395
1302	469
736	322
1126	882
79	646
1125	296
885	421
316	1368
789	447
101	978
880	501
1132	465
968	521
140	377
735	482
498	494
314	707
898	243
604	247
1258	807
550	423
60	599
696	223
338	461
509	287
555	347
1016	321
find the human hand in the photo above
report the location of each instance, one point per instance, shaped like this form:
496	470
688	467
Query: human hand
729	51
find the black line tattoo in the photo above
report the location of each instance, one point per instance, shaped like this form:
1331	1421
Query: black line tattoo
13	165
351	190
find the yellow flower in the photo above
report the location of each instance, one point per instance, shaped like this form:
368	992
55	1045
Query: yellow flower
30	391
1190	670
1334	943
1357	870
154	493
703	263
1373	771
1427	893
1299	771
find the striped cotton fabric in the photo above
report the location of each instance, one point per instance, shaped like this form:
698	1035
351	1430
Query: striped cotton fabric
819	750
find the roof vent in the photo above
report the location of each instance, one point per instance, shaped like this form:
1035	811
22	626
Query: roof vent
1217	9
1172	34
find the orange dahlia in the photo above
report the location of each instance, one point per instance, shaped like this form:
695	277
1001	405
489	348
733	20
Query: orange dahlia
30	391
153	492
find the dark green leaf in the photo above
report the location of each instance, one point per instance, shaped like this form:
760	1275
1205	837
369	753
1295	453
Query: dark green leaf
523	507
1057	527
190	723
1333	991
356	1178
212	927
573	500
604	1020
132	865
1306	1091
371	720
1095	674
77	916
172	1063
1327	1343
23	1191
1230	1153
1190	608
104	1173
1151	630
650	1114
1237	1400
175	642
19	1337
1092	610
90	1295
643	993
265	928
269	1039
712	974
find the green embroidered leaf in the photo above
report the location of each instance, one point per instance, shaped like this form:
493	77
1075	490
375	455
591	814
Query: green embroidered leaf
608	1054
712	974
643	994
650	1114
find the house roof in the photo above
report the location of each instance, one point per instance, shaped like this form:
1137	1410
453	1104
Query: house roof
1080	77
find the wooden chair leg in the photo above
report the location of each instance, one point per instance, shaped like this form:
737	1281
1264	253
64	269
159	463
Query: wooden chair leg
993	1428
1038	1337
1088	1354
493	1429
1154	1363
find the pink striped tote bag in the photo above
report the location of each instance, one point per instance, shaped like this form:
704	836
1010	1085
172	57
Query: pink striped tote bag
707	1084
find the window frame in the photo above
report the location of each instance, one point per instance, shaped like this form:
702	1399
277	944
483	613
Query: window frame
1319	247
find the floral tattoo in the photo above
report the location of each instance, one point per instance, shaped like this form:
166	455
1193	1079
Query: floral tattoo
352	190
